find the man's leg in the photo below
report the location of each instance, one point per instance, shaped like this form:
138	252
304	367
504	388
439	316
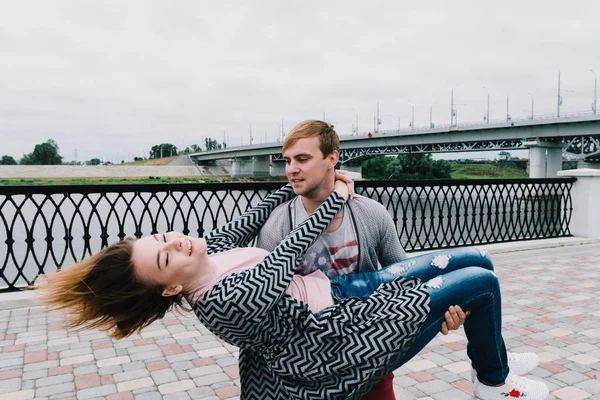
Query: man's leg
424	267
383	390
478	290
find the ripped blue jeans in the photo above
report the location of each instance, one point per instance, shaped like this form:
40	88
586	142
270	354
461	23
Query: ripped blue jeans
462	276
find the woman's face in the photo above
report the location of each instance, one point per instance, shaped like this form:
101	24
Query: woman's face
170	259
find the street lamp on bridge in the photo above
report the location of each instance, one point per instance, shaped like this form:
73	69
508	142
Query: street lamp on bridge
531	105
594	104
486	117
356	127
412	118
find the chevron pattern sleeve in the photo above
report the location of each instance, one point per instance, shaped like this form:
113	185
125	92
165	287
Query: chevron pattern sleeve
240	231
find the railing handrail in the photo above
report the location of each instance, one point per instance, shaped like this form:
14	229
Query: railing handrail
153	187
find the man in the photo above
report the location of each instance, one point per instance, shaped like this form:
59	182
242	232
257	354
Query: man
361	238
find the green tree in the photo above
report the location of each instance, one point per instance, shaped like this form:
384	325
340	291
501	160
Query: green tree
195	148
212	144
43	154
94	161
163	150
406	166
7	160
375	168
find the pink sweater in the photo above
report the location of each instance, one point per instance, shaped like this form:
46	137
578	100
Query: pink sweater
313	289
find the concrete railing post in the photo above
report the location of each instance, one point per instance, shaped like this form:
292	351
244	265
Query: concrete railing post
585	221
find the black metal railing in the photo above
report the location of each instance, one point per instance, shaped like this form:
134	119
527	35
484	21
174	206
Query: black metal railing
45	227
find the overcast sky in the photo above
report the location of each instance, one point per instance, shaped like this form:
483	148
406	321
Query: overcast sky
109	79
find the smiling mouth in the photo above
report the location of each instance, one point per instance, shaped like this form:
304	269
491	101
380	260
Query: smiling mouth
189	246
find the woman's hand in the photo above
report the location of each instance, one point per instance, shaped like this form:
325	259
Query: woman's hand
343	184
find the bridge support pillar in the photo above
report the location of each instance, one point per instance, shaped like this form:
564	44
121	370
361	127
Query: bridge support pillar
545	158
241	167
585	221
260	166
278	168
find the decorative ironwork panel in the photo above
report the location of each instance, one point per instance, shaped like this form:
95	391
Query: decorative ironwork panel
45	227
438	214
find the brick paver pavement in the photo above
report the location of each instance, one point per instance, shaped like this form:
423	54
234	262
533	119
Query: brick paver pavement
551	307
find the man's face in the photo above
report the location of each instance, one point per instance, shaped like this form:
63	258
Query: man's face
306	167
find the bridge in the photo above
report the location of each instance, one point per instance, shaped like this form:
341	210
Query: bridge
546	138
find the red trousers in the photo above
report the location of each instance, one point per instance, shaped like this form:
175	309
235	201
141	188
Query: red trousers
384	390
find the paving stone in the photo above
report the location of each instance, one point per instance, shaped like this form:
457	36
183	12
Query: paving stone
36	374
40	365
202	371
102	354
177	396
147	355
129	375
182	365
134	384
11	385
163	376
19	395
149	396
210	379
84	369
98	391
54	389
178	386
54	380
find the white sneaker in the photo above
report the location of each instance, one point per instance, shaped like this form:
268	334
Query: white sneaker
518	363
514	387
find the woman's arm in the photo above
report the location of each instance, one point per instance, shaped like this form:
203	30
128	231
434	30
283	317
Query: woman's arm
242	230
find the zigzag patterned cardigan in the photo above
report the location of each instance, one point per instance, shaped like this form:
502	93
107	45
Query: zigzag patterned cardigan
287	352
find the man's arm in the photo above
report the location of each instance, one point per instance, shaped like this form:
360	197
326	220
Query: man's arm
275	229
389	248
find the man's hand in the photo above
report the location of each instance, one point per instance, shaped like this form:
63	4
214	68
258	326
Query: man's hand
455	317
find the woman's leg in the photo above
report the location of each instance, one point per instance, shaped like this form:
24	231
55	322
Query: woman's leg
424	267
478	290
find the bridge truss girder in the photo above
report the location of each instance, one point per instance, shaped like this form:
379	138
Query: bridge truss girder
582	147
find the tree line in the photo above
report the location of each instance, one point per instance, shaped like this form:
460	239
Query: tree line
48	153
406	166
403	166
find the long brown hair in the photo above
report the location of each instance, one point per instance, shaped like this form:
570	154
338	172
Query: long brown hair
103	292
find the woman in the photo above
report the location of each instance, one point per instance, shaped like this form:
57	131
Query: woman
303	346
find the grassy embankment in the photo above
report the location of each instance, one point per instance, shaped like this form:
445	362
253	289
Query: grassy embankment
487	171
459	171
150	163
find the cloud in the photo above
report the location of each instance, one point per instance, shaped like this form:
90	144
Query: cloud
97	76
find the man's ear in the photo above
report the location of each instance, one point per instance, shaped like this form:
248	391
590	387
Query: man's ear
333	158
172	290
